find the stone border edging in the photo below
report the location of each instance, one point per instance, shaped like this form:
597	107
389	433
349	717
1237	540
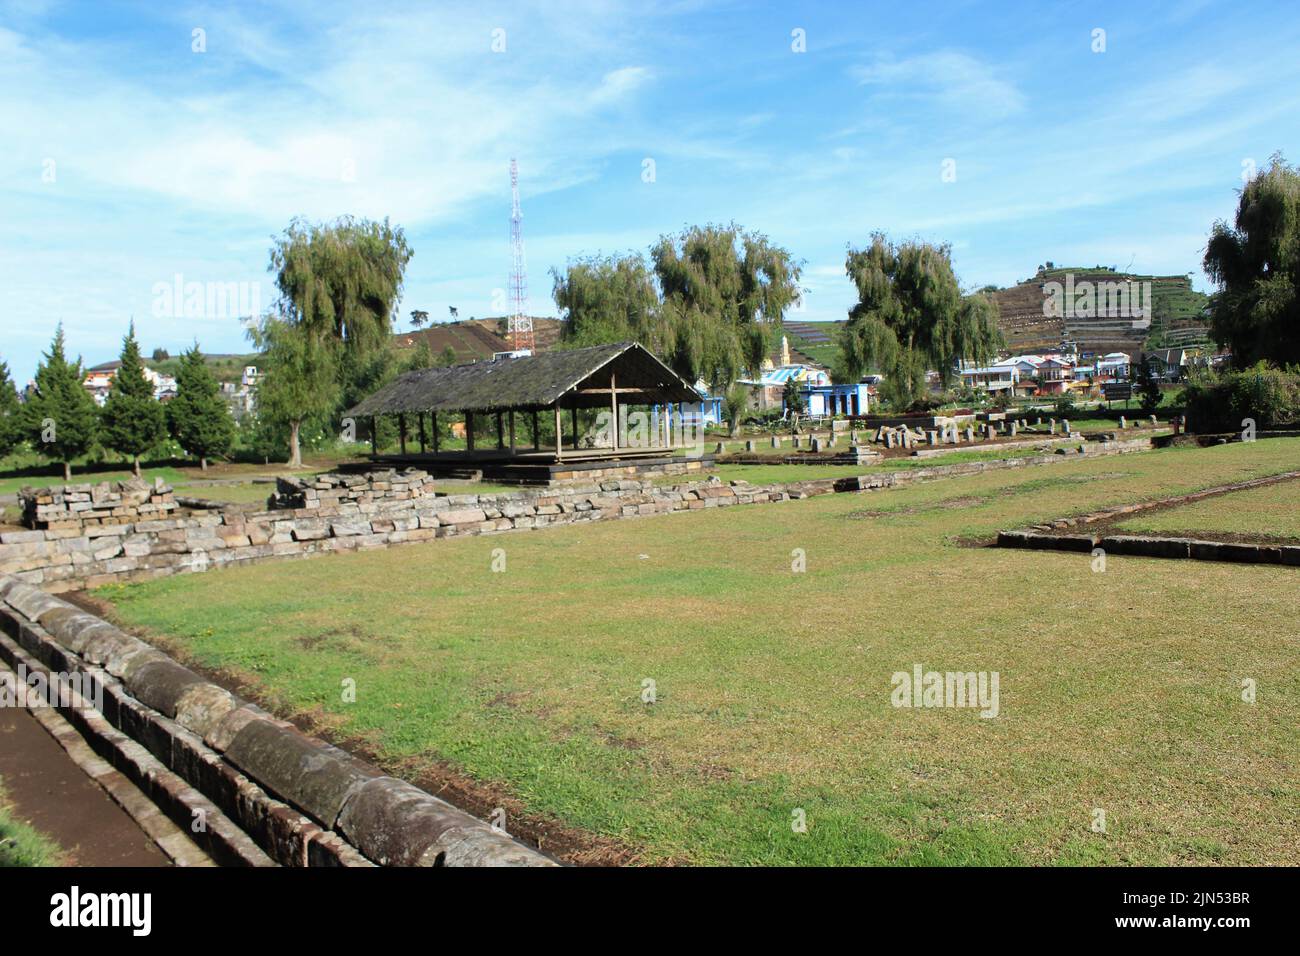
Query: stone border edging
174	842
303	801
1053	536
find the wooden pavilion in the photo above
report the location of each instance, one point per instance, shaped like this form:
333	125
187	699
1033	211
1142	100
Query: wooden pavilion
494	394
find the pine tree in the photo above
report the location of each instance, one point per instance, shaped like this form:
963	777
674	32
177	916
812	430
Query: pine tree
60	419
198	416
132	419
1148	386
10	409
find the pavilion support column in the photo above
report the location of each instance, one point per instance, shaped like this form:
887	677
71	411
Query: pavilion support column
401	430
469	431
573	421
537	434
374	435
613	404
424	443
559	435
433	417
501	438
512	431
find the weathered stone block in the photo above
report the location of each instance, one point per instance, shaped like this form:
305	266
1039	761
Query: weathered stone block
307	773
310	529
397	824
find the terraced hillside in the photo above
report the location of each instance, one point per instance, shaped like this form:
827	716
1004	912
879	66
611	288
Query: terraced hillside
1176	321
816	340
475	339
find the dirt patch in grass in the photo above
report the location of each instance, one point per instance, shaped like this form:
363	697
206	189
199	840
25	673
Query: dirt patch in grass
476	797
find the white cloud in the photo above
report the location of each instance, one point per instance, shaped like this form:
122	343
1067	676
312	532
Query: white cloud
950	79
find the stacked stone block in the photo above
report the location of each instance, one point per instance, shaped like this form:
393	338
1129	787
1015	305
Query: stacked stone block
75	506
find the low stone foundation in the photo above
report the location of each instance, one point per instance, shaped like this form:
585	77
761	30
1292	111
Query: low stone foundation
1074	534
372	516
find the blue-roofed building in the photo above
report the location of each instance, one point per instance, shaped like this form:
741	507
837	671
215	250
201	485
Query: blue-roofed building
820	401
769	391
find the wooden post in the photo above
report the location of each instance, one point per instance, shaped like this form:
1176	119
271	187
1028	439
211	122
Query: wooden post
434	421
573	418
469	431
613	402
374	435
559	440
537	433
401	430
424	446
512	431
501	439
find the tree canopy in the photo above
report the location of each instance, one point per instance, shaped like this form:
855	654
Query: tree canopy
198	416
132	420
609	299
331	331
11	432
708	302
911	316
725	291
60	418
1256	264
341	279
300	379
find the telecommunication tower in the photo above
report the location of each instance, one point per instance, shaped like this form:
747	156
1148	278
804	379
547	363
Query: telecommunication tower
520	323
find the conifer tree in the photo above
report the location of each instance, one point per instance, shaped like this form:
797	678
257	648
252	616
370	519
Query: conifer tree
10	409
198	416
60	419
132	419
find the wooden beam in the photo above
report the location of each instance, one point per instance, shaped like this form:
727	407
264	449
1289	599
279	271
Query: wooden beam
613	401
374	435
434	421
537	432
401	430
501	438
424	445
573	419
512	431
622	391
469	431
559	439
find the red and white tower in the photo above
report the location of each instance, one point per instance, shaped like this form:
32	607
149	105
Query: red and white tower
521	324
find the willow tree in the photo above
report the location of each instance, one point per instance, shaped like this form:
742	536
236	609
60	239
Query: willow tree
342	280
725	292
911	316
609	299
1256	264
330	337
300	379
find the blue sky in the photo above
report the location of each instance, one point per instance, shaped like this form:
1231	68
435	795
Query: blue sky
129	158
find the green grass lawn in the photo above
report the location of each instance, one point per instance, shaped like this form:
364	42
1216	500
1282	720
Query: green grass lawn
20	845
1269	512
1119	690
